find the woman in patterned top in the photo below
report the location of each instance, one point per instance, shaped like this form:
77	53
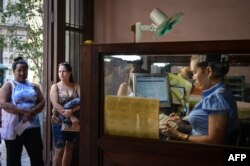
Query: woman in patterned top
214	119
21	101
61	93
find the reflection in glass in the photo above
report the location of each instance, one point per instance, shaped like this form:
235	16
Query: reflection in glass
118	83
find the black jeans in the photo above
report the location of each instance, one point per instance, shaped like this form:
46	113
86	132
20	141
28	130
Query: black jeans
32	140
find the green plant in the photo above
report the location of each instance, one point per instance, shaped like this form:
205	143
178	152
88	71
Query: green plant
25	16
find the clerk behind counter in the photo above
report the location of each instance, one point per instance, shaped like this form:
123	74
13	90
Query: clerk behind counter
214	119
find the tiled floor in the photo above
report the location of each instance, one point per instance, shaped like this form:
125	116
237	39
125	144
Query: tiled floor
25	157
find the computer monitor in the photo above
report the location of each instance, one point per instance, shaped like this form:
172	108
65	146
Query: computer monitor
152	86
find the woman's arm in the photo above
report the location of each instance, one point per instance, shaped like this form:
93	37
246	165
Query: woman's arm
54	99
123	89
40	102
37	108
78	90
77	108
5	99
217	124
216	131
70	112
75	121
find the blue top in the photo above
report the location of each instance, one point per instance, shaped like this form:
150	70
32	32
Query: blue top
216	100
25	97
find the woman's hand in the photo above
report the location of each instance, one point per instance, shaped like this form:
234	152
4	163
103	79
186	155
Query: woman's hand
173	116
182	126
167	130
67	113
27	115
75	121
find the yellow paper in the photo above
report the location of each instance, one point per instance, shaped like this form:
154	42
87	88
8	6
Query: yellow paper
131	116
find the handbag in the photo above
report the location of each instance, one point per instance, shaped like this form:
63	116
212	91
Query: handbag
70	128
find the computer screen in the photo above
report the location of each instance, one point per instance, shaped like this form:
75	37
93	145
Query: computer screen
152	86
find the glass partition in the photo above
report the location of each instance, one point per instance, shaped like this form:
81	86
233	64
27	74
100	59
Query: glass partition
128	112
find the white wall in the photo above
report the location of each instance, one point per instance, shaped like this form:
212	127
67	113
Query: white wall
202	20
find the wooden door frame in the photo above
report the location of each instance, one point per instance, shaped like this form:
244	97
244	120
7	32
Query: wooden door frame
54	51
